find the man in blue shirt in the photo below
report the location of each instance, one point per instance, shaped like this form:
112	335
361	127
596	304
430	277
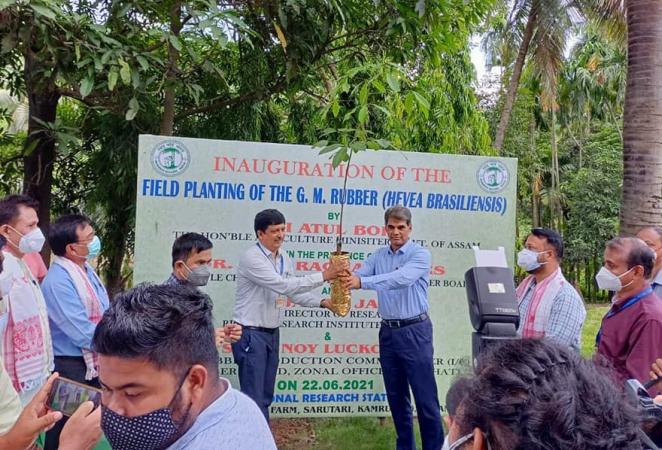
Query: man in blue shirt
76	299
399	273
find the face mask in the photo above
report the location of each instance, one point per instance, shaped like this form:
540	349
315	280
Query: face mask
94	248
31	242
198	276
152	431
610	282
464	439
528	259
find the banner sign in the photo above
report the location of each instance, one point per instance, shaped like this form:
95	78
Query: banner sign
329	366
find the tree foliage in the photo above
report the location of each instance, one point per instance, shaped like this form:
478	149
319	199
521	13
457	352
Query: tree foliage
357	73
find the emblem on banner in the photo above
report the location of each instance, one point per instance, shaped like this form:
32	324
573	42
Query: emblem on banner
170	158
493	176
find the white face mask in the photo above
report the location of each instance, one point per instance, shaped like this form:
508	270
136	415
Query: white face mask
31	242
528	259
461	441
609	282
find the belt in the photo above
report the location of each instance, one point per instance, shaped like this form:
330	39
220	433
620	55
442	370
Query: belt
263	329
399	323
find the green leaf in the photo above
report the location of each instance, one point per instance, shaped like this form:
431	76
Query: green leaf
43	11
335	108
358	146
106	56
125	72
363	94
135	78
86	86
330	148
386	112
339	157
363	114
134	107
422	101
384	144
175	42
379	86
143	62
393	82
112	79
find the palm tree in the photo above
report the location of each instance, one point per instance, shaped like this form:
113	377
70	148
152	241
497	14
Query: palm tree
641	202
539	27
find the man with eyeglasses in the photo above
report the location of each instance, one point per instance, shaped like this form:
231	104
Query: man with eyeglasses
76	299
549	306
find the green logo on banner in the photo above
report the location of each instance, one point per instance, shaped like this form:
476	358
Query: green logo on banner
170	158
493	176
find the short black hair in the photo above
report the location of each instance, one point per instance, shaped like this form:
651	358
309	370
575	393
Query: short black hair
456	394
552	237
189	243
9	207
533	394
638	253
63	231
170	326
266	218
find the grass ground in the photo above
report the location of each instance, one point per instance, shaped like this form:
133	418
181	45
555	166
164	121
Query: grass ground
370	433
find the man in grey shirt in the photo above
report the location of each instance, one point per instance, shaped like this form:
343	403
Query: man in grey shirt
265	280
158	367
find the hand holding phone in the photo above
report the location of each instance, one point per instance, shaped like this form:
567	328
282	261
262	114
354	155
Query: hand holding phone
67	395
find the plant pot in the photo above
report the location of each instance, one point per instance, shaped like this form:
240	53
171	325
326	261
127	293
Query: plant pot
341	298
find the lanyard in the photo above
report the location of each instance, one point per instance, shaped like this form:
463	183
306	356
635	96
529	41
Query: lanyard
630	302
282	264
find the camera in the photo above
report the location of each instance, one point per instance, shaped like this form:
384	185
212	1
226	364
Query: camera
651	413
493	306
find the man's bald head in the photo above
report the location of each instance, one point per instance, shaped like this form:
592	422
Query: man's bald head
635	253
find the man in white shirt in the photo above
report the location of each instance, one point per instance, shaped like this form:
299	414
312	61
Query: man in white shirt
27	349
265	280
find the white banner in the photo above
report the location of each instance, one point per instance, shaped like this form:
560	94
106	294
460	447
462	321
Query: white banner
329	366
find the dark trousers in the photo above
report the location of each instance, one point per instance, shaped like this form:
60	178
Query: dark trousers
406	360
256	354
72	367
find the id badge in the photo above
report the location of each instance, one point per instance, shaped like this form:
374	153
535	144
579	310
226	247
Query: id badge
281	302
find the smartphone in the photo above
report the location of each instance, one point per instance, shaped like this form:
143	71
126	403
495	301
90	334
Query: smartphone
67	395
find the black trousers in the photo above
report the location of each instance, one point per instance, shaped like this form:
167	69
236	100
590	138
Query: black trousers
72	367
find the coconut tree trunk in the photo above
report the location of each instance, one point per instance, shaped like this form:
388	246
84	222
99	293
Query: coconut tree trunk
511	94
641	202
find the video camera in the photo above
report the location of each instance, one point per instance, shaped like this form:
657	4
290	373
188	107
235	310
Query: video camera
651	413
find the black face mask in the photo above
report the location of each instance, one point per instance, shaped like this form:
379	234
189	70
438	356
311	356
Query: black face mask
155	430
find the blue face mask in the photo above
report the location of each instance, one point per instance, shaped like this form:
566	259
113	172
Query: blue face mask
94	248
